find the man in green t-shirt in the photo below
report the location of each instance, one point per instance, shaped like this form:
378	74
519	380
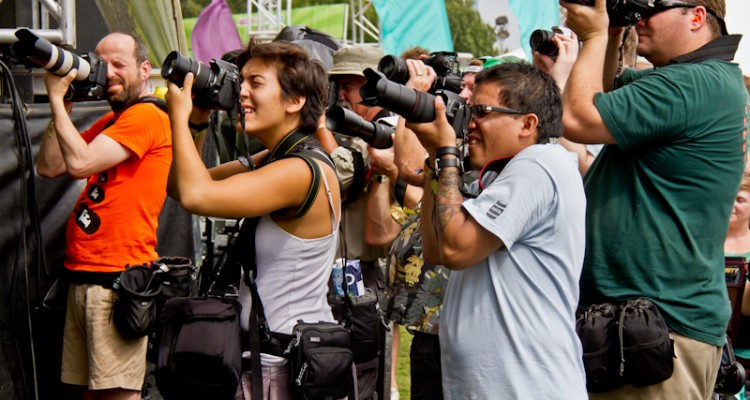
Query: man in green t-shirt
660	192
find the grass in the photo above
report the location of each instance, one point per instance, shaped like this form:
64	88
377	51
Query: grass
403	377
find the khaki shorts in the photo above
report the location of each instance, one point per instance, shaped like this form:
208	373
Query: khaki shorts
94	353
696	365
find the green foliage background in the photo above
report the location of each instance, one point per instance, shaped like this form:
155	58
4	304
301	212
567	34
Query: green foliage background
469	33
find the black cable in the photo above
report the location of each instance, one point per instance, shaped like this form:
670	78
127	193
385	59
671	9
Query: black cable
30	210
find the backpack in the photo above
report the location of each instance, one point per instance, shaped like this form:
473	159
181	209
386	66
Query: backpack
319	44
200	353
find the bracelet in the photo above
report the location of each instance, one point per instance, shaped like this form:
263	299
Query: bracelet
442	163
197	127
428	169
399	191
445	150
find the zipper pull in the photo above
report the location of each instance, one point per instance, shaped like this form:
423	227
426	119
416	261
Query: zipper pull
298	381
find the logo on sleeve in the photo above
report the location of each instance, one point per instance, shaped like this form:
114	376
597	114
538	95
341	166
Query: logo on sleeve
87	220
96	194
103	177
496	210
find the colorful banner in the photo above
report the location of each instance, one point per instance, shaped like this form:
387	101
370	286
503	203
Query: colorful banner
405	24
214	33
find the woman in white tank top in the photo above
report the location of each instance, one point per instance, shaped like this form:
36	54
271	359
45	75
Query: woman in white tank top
283	91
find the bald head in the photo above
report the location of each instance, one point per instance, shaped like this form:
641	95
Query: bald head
134	42
128	68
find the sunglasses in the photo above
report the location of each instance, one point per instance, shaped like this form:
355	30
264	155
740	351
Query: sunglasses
481	111
665	5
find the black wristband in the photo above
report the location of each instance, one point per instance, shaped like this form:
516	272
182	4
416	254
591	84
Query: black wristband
446	163
198	127
445	150
399	191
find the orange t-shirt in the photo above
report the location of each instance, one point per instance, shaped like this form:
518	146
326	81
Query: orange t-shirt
115	219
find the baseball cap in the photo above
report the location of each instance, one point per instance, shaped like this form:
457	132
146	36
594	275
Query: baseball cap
485	62
353	60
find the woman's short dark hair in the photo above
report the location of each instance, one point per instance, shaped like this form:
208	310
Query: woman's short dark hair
526	88
299	76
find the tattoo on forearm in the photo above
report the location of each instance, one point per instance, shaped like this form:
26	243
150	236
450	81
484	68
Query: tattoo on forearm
449	197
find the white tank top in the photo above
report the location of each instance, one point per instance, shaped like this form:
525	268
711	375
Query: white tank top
293	276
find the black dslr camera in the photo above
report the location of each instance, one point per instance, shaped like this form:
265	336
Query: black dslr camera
622	12
445	64
542	41
216	87
414	105
91	77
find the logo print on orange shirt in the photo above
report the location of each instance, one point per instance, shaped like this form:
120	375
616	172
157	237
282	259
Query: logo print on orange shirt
96	194
87	220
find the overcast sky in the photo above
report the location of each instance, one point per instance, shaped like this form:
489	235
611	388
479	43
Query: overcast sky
738	13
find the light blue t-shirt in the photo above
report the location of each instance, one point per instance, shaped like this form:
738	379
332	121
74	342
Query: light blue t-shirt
508	324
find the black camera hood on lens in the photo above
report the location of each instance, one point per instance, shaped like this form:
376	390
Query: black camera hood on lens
347	122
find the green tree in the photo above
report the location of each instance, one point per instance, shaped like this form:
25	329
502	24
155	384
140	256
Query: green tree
469	32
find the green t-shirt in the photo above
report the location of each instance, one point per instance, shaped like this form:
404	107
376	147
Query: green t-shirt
659	200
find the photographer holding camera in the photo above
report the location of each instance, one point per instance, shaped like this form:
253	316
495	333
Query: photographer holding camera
515	243
125	157
660	191
283	95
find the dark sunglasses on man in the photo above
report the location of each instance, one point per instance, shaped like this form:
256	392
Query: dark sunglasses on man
664	5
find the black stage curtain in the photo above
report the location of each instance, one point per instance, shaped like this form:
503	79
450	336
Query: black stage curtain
28	367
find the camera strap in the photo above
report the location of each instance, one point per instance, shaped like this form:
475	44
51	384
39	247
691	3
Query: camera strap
159	103
304	146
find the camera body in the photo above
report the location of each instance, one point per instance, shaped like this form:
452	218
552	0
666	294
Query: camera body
215	86
94	87
91	77
542	41
445	64
622	12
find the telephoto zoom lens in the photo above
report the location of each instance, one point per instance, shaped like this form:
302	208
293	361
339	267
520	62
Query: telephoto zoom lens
176	67
413	105
42	53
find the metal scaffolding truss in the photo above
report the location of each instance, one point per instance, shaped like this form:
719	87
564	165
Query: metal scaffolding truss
361	27
273	15
62	11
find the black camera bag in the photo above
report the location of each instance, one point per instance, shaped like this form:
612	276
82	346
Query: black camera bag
624	343
362	316
320	361
134	312
176	275
597	329
199	349
647	351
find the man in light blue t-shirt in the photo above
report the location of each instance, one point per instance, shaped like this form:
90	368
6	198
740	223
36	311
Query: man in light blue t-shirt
516	243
